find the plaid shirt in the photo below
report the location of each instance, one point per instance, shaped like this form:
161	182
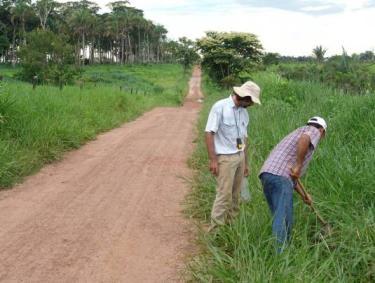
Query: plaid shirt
284	156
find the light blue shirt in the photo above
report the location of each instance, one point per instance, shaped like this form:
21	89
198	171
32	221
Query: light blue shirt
228	122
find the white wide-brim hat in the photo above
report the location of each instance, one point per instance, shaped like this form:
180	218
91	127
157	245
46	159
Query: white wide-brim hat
250	89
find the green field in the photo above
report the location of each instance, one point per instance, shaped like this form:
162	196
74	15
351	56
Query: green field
38	126
340	179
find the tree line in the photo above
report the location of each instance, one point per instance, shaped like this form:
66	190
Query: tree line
120	36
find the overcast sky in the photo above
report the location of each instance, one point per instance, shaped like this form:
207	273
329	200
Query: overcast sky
288	27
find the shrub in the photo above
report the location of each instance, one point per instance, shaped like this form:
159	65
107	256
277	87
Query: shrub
47	58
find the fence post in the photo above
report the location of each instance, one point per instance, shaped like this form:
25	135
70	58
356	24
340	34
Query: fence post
35	81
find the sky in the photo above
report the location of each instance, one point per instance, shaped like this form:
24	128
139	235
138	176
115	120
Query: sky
292	27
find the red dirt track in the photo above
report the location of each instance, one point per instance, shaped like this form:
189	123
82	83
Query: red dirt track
110	211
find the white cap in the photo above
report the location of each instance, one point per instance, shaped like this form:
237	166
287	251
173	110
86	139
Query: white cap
318	120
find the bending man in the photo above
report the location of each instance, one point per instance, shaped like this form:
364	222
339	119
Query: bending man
287	162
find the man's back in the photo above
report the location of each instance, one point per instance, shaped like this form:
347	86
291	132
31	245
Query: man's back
283	156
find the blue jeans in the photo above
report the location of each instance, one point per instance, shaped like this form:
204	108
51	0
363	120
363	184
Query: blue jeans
278	191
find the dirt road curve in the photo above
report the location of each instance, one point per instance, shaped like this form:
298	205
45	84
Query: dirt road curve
108	212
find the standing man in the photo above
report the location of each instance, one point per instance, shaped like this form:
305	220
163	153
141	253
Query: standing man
287	162
226	139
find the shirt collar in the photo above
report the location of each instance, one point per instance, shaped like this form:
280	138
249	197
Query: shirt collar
231	102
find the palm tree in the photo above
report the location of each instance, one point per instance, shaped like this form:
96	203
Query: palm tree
137	24
148	28
21	10
319	53
160	33
81	18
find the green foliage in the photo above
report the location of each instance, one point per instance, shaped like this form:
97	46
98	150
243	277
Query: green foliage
340	179
270	58
186	52
367	56
341	72
4	44
48	58
225	55
38	126
122	35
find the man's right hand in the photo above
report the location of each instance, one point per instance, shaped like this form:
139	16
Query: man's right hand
214	167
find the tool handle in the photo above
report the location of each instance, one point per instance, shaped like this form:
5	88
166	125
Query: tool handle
311	205
318	215
302	188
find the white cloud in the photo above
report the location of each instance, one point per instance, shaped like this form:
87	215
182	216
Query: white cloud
354	4
286	32
315	8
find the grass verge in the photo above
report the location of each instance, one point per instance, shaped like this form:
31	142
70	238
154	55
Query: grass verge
38	126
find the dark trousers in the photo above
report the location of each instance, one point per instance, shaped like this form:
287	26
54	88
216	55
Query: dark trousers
278	191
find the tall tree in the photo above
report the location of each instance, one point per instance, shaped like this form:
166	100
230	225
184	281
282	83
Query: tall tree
119	23
81	17
4	41
160	35
43	9
20	10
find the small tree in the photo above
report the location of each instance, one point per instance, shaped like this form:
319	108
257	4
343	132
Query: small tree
186	52
225	55
48	57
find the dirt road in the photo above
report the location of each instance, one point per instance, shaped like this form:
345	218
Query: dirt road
108	212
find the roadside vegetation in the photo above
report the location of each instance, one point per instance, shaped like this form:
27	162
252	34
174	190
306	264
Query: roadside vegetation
341	89
354	74
38	125
339	179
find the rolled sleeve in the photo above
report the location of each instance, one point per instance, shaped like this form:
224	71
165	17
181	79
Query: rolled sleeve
213	121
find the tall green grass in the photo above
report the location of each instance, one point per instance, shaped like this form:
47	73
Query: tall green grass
38	126
340	179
